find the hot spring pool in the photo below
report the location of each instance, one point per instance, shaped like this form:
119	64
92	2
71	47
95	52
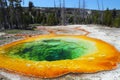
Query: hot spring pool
51	49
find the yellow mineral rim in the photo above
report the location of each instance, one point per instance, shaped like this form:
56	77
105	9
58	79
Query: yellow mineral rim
49	56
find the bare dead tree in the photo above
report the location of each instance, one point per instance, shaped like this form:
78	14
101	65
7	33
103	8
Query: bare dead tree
102	6
98	4
59	12
79	5
75	16
79	11
56	12
23	2
84	4
12	14
4	22
55	7
54	4
102	12
98	19
63	13
60	3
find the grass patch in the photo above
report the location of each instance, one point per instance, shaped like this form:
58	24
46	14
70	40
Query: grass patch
34	25
14	31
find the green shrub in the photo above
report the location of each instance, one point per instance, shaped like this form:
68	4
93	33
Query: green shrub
116	22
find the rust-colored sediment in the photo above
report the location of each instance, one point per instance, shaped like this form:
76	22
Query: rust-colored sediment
119	58
87	32
54	31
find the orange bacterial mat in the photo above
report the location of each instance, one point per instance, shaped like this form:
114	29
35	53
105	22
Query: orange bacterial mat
49	56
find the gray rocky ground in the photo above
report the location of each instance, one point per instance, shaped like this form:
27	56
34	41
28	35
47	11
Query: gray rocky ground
110	35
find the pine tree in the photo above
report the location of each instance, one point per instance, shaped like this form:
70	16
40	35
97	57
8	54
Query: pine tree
51	19
107	18
95	17
114	13
3	14
30	6
116	22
